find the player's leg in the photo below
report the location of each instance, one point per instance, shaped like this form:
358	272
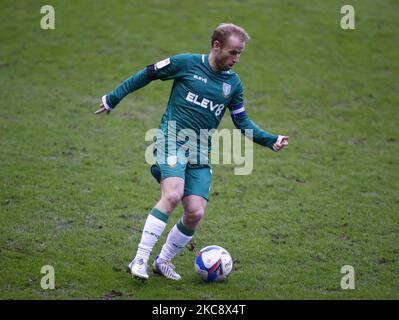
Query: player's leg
194	211
195	199
172	189
180	235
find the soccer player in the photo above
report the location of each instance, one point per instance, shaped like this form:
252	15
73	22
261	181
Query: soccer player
204	87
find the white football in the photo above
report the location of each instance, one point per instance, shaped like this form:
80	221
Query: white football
213	263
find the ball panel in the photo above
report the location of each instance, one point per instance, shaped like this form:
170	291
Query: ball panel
200	263
212	277
213	263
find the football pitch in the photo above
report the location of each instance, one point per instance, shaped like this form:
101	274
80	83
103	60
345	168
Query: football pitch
318	220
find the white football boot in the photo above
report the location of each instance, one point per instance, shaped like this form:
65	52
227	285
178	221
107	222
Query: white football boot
165	268
139	269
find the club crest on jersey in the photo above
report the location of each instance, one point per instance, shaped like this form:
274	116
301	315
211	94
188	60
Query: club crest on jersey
226	89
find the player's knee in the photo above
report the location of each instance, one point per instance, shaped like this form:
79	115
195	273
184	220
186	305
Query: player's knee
173	198
194	216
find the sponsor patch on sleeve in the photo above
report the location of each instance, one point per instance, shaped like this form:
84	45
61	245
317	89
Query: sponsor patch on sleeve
161	64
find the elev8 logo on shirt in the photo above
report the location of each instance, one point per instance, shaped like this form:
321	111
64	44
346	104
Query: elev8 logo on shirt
205	103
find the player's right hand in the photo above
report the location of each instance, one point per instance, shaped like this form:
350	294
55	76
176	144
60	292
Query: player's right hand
102	109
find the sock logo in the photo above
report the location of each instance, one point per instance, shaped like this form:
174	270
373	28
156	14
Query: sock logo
152	234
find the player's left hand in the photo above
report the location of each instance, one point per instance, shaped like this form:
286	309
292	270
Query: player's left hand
282	141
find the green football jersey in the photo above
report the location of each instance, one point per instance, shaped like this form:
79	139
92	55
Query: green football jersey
198	99
200	96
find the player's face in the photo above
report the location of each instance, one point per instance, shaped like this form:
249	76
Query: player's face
228	54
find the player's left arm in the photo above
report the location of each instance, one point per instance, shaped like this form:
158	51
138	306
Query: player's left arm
243	122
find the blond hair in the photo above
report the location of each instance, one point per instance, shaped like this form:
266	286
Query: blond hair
225	30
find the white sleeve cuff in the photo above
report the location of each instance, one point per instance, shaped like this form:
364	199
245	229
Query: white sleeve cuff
104	101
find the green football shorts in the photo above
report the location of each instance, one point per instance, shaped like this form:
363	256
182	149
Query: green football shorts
197	177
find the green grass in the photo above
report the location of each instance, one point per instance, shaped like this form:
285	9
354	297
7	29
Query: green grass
75	189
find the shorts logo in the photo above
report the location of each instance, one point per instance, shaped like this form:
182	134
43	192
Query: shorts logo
171	161
226	89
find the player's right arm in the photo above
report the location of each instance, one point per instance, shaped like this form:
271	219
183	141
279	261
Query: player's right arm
169	68
135	82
